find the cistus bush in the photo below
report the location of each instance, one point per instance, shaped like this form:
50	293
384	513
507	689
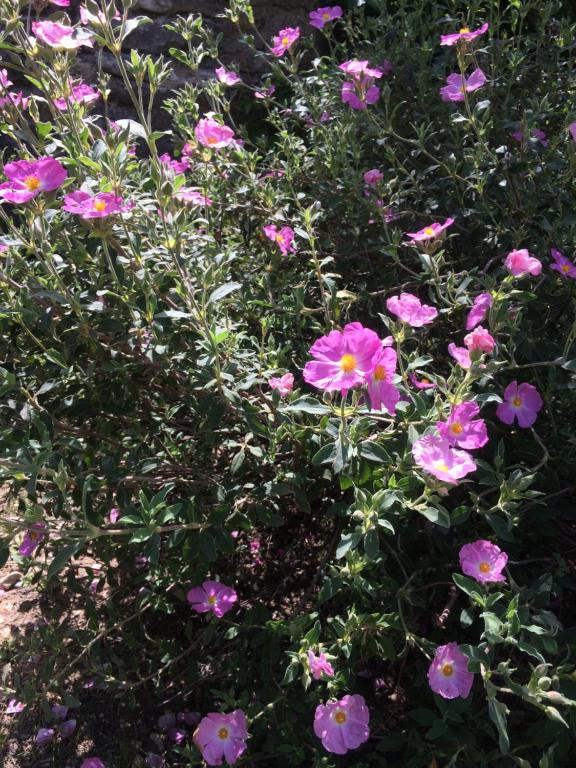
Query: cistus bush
287	393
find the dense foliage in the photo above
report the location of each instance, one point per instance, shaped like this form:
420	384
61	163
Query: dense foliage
250	544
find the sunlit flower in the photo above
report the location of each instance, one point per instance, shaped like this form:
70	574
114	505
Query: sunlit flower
480	307
97	206
29	178
483	561
265	93
381	390
33	537
342	725
522	402
436	455
520	263
430	232
319	665
461	355
422	383
284	40
322	16
360	91
282	384
480	340
463	35
193	197
61	36
212	596
410	310
343	359
283	237
457	86
221	737
562	265
462	429
227	76
448	674
178	166
212	134
79	94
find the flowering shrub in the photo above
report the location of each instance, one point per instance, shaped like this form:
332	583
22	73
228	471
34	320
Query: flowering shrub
305	458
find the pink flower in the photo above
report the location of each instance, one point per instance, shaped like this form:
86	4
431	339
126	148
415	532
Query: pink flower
266	93
522	402
461	355
480	307
212	596
98	19
360	91
457	85
321	16
97	206
221	737
381	391
422	383
28	178
17	99
59	711
430	232
226	76
15	707
448	674
92	762
32	539
61	36
193	196
462	35
373	177
284	40
483	561
5	81
343	359
284	237
572	130
479	340
342	725
562	265
211	134
178	166
462	429
520	263
283	384
435	455
66	729
114	515
535	134
319	665
410	310
79	94
44	736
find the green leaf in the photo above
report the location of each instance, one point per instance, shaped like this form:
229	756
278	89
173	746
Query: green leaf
440	516
372	544
374	452
62	557
469	586
219	293
347	543
306	404
498	711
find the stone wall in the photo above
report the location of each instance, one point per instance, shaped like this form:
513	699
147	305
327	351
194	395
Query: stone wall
153	38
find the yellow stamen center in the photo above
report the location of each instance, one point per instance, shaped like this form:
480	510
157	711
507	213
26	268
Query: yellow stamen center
428	231
464	30
99	205
425	381
279	238
326	16
447	670
566	268
484	567
441	466
223	733
340	717
456	428
212	600
517	402
285	41
348	363
212	140
380	373
462	89
32	183
33	535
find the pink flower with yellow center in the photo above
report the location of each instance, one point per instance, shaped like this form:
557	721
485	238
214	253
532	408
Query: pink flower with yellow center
227	76
381	390
483	561
29	178
360	91
448	675
284	40
193	197
458	86
423	383
431	232
520	263
61	36
96	206
79	94
342	725
212	134
343	359
436	456
521	402
222	737
562	265
410	310
462	429
322	16
283	237
465	34
33	537
212	596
